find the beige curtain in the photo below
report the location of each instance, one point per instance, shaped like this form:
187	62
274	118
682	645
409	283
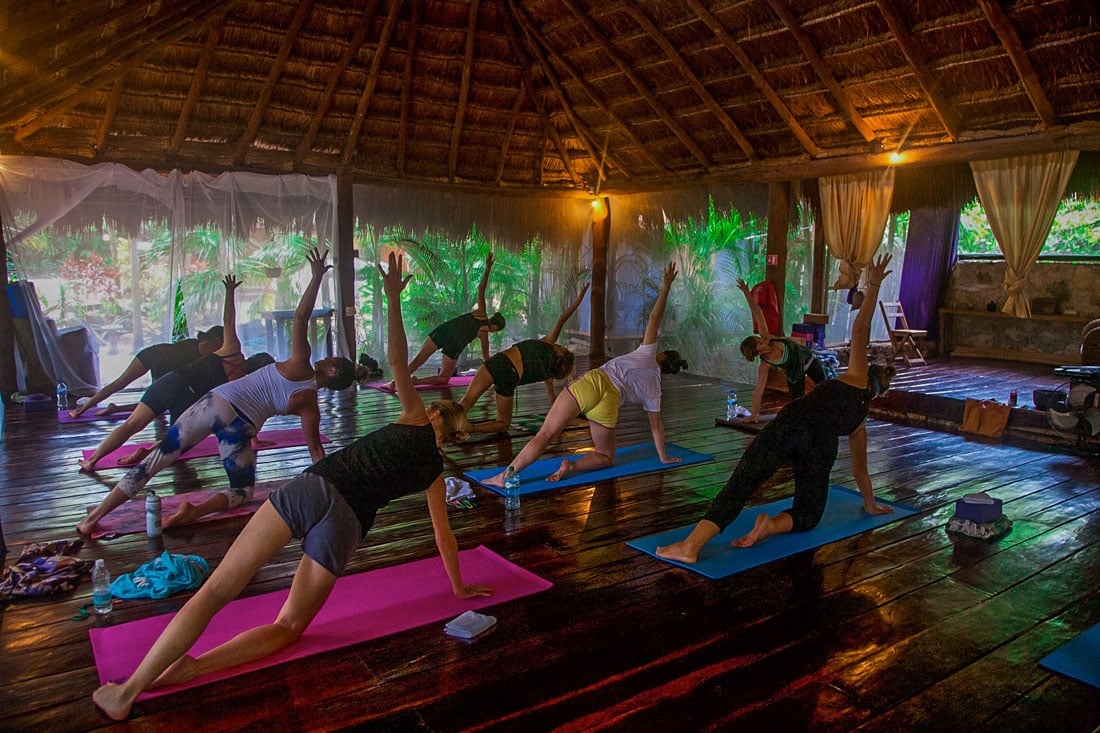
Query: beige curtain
854	208
1020	196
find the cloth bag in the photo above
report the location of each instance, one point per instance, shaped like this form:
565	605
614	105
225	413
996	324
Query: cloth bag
984	417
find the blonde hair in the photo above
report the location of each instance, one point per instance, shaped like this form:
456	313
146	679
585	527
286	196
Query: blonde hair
455	425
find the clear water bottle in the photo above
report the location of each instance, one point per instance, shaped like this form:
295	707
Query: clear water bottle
101	588
152	514
511	489
62	395
731	405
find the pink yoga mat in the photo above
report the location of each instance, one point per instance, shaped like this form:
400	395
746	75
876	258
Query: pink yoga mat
454	382
90	416
361	607
209	446
130	517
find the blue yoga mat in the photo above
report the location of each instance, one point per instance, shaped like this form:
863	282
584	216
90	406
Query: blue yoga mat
630	460
1079	658
843	517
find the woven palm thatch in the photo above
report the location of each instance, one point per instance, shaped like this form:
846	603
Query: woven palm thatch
615	95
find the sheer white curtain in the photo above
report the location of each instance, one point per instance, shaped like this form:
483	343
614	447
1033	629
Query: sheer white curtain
854	208
1020	196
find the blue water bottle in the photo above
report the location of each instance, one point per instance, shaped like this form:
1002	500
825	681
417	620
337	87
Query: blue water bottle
511	490
62	394
731	405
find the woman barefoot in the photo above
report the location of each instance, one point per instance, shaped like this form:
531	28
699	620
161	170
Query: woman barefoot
805	435
330	507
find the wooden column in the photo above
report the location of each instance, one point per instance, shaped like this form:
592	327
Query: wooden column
775	272
601	236
818	284
7	328
345	269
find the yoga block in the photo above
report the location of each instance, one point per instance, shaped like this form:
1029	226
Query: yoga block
812	332
818	319
38	402
978	513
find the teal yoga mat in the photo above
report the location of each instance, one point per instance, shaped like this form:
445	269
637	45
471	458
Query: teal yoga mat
629	460
843	517
1079	658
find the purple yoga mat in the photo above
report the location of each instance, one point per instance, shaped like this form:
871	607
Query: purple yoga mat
130	517
361	607
208	446
454	382
90	416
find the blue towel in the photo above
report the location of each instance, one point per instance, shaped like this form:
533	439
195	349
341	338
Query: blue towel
161	577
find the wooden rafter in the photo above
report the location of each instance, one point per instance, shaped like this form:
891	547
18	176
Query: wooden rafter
71	85
947	116
109	116
692	79
372	79
579	128
640	85
406	84
198	80
351	50
1017	54
273	74
840	94
464	88
507	141
758	79
539	44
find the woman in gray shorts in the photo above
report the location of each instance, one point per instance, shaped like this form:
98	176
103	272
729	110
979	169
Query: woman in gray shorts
330	507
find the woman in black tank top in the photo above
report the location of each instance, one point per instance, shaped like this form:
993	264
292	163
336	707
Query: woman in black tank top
267	532
804	435
524	363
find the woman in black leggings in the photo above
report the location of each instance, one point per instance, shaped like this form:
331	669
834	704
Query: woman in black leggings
805	436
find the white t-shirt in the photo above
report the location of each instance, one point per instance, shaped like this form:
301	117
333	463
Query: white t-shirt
637	376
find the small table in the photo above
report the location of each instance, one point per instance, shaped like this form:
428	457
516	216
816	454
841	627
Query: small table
278	325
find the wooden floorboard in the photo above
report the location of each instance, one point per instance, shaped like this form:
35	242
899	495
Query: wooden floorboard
904	627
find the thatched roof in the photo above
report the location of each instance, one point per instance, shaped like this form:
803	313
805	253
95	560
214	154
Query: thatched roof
547	94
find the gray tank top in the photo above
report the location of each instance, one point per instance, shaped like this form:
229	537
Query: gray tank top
261	394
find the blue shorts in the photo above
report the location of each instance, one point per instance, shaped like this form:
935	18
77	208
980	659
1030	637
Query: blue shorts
319	516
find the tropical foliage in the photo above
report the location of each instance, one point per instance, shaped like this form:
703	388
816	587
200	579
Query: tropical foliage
1074	232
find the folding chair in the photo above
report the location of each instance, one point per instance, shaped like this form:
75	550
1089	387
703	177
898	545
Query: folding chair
901	336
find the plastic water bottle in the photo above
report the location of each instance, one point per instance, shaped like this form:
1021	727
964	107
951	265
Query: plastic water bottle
101	588
731	405
62	394
511	490
152	514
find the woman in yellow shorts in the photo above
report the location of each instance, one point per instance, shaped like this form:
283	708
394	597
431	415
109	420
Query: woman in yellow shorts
633	378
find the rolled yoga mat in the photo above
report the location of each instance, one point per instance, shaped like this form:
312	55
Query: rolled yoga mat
454	382
629	460
844	517
1078	658
208	446
361	607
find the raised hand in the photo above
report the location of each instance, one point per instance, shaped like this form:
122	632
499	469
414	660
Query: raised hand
877	271
392	279
670	274
743	286
317	265
231	283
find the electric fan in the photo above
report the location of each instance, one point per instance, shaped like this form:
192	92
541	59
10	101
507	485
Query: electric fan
1075	408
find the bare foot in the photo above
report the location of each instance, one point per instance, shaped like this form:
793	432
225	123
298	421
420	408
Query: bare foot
760	530
185	515
114	703
564	469
679	552
109	409
136	457
182	670
497	481
87	466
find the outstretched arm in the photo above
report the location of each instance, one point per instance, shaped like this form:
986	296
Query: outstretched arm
653	327
231	342
299	340
857	444
445	542
861	326
482	308
555	332
657	428
397	345
754	309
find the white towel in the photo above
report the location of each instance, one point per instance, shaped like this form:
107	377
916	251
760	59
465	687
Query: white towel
458	489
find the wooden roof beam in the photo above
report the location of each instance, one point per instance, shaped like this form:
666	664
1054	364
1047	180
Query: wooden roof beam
1017	54
516	106
580	129
277	67
947	116
464	88
639	85
109	116
758	79
840	94
539	44
350	51
197	83
372	79
406	84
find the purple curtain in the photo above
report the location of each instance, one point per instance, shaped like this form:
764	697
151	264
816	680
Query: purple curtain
930	249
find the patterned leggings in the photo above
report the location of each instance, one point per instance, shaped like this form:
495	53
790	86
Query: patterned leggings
211	415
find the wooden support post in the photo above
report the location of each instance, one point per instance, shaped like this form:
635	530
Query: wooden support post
7	328
601	236
345	259
818	275
775	271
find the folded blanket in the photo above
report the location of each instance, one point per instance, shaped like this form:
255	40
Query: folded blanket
161	577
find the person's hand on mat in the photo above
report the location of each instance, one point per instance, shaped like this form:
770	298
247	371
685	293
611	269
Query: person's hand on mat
672	459
473	590
877	508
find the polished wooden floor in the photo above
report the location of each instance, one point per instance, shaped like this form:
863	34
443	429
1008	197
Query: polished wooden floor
902	628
